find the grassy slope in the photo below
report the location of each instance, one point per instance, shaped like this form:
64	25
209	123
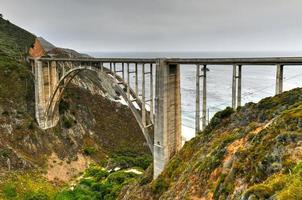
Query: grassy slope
254	153
16	87
14	41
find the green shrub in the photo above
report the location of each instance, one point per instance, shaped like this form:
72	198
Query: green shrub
160	185
31	125
64	195
128	159
98	184
281	186
96	172
9	191
4	153
218	117
67	123
145	180
87	182
260	191
63	106
36	196
88	151
298	168
120	177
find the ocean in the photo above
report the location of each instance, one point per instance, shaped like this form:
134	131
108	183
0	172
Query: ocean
257	81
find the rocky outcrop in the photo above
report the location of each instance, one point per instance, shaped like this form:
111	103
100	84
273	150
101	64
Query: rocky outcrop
37	50
42	47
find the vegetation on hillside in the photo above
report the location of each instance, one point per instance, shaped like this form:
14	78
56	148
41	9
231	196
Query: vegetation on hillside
14	41
26	186
253	153
14	76
97	182
16	91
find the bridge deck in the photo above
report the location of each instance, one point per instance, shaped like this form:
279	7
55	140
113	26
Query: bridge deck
202	61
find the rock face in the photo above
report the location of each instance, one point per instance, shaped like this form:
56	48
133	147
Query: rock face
37	50
42	47
253	153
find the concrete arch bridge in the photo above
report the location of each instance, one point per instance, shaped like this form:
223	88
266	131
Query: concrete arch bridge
158	113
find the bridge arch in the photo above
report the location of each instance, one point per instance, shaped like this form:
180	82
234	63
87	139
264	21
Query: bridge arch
163	124
110	79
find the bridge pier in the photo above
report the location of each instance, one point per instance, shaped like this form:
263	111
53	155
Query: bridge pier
46	79
39	91
167	126
197	104
236	86
203	118
204	98
54	80
279	79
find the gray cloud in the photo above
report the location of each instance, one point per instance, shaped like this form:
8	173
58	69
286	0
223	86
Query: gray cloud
162	25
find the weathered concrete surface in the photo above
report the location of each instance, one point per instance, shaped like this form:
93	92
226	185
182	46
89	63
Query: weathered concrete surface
279	79
167	133
46	80
39	91
236	86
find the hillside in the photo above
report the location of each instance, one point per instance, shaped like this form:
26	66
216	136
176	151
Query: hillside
92	130
14	41
253	153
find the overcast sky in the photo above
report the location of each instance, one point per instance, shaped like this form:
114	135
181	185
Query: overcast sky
162	25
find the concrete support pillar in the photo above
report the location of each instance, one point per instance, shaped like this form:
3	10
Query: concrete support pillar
49	81
32	63
46	79
128	81
54	80
143	97
39	93
151	94
203	117
102	66
136	80
114	69
197	109
123	71
54	75
204	98
279	79
236	86
239	85
167	126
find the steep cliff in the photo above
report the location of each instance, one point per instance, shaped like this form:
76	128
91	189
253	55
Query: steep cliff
253	153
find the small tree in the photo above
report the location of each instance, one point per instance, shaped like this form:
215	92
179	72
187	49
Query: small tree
1	16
